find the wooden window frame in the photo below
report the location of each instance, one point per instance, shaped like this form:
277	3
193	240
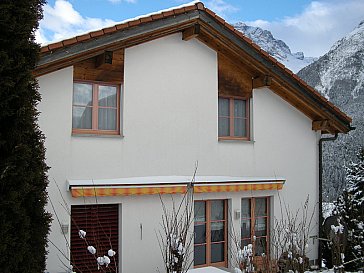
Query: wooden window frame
95	107
208	243
232	117
252	224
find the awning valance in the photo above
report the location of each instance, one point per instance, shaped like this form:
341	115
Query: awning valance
171	185
116	191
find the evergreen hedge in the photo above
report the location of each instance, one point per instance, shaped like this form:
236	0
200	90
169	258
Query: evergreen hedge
24	224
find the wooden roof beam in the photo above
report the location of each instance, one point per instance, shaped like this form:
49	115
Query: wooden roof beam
324	126
262	81
191	32
104	59
234	56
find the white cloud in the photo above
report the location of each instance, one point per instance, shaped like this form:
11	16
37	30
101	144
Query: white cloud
40	37
318	27
62	21
220	7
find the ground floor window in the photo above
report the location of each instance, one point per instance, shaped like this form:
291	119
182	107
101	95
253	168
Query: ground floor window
210	233
254	224
101	224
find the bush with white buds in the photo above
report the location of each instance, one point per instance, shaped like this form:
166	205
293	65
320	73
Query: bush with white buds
82	234
91	249
111	253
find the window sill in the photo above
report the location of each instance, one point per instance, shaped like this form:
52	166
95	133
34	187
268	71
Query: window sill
237	139
90	133
97	135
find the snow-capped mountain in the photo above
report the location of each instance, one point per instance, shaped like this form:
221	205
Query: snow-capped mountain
339	76
276	48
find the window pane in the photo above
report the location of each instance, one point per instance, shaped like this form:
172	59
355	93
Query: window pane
224	109
245	208
260	227
239	108
200	212
245	243
82	94
224	126
200	255
107	119
217	210
245	228
217	232
261	207
107	96
82	117
239	127
260	246
217	253
200	233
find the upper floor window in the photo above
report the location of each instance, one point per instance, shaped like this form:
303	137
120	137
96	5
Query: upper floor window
233	118
96	108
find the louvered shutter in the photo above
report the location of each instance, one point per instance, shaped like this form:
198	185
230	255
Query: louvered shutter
101	223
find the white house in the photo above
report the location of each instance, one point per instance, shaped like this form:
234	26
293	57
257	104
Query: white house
128	110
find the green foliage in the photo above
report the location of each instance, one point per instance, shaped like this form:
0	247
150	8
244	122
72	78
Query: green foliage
24	224
350	206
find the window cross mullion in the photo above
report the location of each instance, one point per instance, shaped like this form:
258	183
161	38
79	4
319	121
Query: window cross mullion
231	104
95	107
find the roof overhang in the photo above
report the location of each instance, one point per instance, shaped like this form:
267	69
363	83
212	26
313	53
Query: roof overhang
130	36
216	33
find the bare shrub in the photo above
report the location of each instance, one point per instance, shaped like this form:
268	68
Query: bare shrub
290	236
176	237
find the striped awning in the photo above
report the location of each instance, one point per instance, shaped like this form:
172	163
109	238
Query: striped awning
238	187
117	191
170	185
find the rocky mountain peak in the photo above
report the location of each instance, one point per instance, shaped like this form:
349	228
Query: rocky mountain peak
341	68
275	47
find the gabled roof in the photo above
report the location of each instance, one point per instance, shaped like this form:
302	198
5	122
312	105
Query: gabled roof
196	20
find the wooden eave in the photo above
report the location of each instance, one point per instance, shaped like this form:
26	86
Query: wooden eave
68	55
284	82
196	21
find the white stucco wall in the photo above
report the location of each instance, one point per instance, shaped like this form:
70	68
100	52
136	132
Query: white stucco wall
169	121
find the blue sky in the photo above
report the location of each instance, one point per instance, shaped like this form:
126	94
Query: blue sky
305	25
247	10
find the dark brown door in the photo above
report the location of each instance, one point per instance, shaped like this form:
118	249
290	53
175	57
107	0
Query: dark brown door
101	224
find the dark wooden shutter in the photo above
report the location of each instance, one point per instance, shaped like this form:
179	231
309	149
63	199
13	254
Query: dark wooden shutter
101	223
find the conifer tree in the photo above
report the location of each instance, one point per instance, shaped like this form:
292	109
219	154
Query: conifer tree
24	224
350	206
